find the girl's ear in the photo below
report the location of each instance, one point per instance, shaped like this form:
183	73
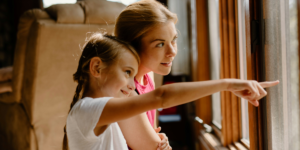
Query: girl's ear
96	65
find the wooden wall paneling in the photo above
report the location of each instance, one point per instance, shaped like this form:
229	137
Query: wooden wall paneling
204	107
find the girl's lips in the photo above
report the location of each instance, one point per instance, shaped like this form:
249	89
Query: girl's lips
124	92
167	64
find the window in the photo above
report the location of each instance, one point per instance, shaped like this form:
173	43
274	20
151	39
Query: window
294	75
227	59
48	3
125	2
281	57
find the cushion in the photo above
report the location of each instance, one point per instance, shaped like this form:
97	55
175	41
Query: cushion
101	11
66	13
6	73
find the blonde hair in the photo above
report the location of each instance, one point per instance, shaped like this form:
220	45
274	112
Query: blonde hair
138	18
107	48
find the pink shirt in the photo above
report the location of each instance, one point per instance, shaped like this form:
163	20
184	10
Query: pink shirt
142	89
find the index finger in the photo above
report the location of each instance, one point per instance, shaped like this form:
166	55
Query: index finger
268	83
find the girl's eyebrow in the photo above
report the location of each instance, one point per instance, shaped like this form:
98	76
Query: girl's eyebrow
157	40
176	36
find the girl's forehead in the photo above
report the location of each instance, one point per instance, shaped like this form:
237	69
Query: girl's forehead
163	30
126	58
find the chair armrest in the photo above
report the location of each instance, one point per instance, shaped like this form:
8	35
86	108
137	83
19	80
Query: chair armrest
7	97
5	87
6	74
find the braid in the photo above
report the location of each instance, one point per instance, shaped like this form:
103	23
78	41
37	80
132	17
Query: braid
78	77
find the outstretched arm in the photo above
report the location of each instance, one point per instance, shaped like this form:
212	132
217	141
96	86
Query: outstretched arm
166	96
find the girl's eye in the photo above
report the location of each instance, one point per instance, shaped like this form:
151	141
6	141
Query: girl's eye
160	45
175	40
128	72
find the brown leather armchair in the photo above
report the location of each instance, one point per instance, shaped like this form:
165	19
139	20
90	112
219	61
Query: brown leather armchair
49	44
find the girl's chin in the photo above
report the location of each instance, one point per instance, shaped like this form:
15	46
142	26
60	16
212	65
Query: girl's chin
163	72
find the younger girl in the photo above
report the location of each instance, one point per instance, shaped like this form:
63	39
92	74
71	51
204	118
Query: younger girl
105	77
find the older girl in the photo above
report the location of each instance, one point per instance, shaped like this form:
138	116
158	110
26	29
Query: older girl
150	28
105	77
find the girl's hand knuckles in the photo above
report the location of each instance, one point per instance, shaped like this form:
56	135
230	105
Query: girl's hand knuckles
165	146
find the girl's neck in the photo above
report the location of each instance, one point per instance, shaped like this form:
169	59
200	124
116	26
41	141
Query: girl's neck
93	92
140	75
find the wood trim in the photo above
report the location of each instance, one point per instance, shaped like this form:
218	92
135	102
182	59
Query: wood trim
229	69
203	105
234	61
218	133
231	147
222	75
210	142
245	143
226	99
257	126
240	146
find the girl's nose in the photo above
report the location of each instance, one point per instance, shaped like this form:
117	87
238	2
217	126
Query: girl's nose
172	51
131	86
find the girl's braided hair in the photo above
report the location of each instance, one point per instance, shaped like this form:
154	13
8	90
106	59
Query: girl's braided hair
107	48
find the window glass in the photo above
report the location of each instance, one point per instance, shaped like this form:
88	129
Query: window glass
214	44
181	63
125	2
243	64
281	61
48	3
294	76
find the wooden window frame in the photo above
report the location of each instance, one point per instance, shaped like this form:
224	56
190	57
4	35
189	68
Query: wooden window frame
255	71
230	104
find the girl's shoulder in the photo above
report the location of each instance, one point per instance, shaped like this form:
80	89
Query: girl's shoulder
87	104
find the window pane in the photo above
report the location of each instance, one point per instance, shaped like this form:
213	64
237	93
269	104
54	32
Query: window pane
214	43
281	61
181	63
243	64
125	2
48	3
294	77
